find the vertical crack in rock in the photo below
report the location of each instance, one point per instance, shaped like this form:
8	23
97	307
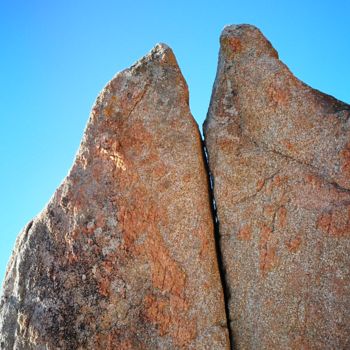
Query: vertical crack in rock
225	286
279	154
123	256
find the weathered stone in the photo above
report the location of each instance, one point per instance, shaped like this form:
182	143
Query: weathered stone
279	153
123	256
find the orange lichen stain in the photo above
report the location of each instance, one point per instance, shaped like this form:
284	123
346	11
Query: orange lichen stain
168	309
159	171
277	181
235	44
104	285
138	141
169	58
166	274
108	111
140	220
185	333
268	258
157	311
230	45
245	233
289	145
187	178
335	223
311	179
260	184
282	217
277	95
294	244
168	320
178	304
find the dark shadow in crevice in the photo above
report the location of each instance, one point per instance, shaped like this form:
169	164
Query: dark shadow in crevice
222	270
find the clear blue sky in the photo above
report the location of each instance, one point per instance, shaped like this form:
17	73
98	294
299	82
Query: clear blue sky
57	55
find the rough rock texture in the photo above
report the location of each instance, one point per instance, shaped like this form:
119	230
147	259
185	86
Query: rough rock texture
279	153
123	256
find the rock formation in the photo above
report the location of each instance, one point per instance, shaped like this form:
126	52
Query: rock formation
279	153
123	256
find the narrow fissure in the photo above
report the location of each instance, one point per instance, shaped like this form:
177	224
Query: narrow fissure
222	270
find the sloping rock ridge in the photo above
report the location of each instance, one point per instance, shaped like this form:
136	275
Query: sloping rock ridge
123	256
279	154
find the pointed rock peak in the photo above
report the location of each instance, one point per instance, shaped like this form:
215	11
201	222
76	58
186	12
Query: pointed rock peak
155	73
247	39
277	110
160	54
164	53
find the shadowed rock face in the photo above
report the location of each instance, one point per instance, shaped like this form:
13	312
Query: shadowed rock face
123	256
279	153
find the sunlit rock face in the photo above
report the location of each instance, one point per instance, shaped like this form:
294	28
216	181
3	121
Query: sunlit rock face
123	256
279	153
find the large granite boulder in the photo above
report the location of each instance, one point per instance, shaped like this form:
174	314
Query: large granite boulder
279	153
123	256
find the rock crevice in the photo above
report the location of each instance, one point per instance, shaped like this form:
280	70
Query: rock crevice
225	287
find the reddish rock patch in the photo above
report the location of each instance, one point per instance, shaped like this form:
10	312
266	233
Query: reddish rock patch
245	233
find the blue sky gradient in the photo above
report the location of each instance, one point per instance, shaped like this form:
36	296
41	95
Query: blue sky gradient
57	55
